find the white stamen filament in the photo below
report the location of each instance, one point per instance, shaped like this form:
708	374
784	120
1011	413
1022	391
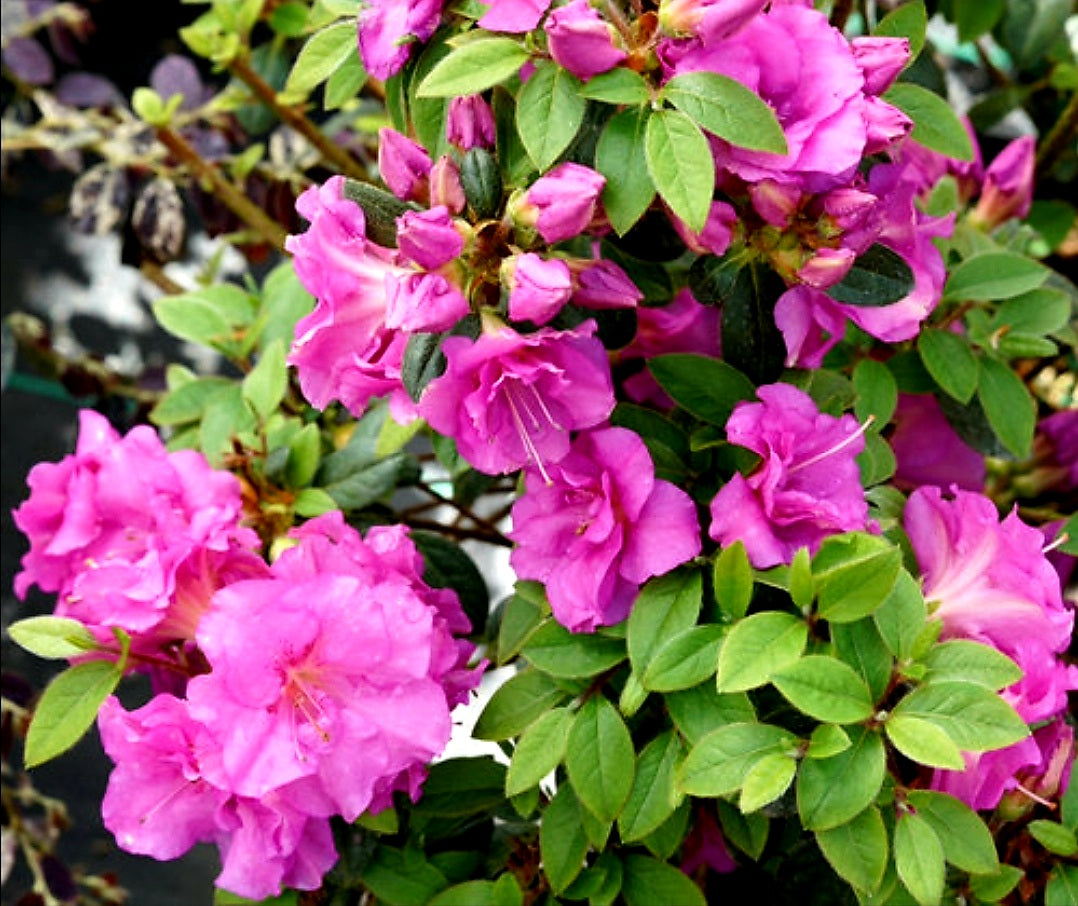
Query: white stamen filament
525	437
830	451
1038	799
165	800
1060	539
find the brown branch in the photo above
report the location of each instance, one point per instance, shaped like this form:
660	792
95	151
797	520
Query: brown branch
241	68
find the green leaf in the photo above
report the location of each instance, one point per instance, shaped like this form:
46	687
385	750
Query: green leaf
747	832
861	646
264	385
1039	312
901	617
752	341
976	718
908	20
919	859
825	688
971	662
211	317
617	86
344	83
878	277
854	572
832	791
1054	837
67	709
948	358
53	637
726	108
666	606
1062	885
757	647
562	841
993	275
187	402
540	750
555	650
665	840
684	660
858	850
648	881
600	759
994	887
549	112
628	190
654	797
1008	406
924	742
967	842
698	711
519	618
975	18
464	786
402	878
521	699
705	387
935	123
503	892
474	67
718	763
877	392
320	56
766	780
827	740
679	162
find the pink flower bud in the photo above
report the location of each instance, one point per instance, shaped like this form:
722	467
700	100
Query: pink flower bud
885	125
513	16
602	284
404	165
581	41
538	287
881	60
709	20
445	185
470	123
1007	191
561	204
826	268
776	202
429	238
715	237
423	302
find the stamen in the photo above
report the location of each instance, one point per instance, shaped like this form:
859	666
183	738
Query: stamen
165	800
307	705
1060	539
845	442
1038	799
525	438
545	410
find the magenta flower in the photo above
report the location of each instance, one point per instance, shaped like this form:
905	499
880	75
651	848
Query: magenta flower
1007	190
389	29
343	683
705	846
715	237
538	287
404	165
1056	451
429	238
880	60
601	284
470	122
510	399
423	302
513	16
928	451
990	581
343	349
597	524
562	203
445	185
708	20
582	41
807	485
130	535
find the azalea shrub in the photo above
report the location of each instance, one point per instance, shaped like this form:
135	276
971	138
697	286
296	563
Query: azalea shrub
675	401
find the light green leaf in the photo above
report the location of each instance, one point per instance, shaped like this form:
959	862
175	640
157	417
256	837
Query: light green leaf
53	637
827	740
562	841
976	718
67	709
600	759
211	317
521	699
924	742
718	763
824	688
698	711
757	647
732	579
948	358
539	751
993	275
726	108
971	662
555	650
628	190
901	617
967	842
617	86
1008	406
861	646
549	112
919	859
858	850
991	888
766	780
935	123
1062	885
684	660
854	572
666	606
1039	312
1054	837
264	385
503	892
654	797
679	162
832	791
474	67
320	56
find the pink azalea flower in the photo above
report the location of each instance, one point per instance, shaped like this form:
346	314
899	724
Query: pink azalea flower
581	41
423	302
343	349
562	203
509	399
130	535
705	845
928	451
1056	451
470	122
343	684
513	16
538	287
388	30
880	60
601	284
990	581
597	525
682	325
807	485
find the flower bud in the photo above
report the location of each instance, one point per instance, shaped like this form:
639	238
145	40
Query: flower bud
602	284
581	41
404	165
561	204
826	268
445	184
423	302
774	201
470	123
1007	191
709	20
881	60
429	238
538	287
886	125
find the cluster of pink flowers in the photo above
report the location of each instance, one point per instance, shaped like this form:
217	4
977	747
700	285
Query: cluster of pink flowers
250	741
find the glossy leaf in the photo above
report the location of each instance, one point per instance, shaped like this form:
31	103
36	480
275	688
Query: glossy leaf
1008	406
935	123
521	699
706	387
667	605
967	841
757	647
600	758
949	359
684	660
648	881
919	859
679	162
976	718
993	275
629	189
858	850
562	841
549	113
832	791
878	276
555	650
824	688
924	742
727	109
654	796
68	708
717	764
474	67
52	637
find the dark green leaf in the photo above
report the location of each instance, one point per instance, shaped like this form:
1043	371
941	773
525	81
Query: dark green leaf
747	832
628	190
948	358
707	388
832	791
698	711
752	341
401	878
600	758
1008	406
878	277
648	881
653	797
380	209
935	123
967	841
975	18
447	565
562	841
539	751
877	392
516	703
907	20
